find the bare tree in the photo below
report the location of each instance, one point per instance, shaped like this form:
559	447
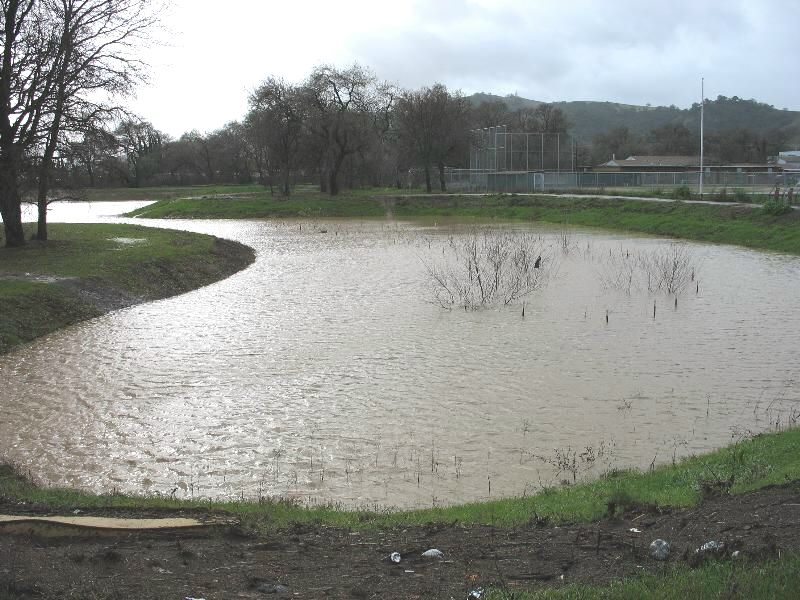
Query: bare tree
490	114
91	149
277	112
61	60
142	144
341	105
432	122
667	269
26	85
550	119
489	267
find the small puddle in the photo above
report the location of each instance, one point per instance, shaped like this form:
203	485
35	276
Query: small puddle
127	241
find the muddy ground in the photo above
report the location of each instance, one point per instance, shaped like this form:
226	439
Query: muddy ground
225	562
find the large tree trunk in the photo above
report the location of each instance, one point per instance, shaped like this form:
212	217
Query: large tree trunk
442	183
90	172
41	196
428	187
333	176
41	221
10	205
333	182
286	187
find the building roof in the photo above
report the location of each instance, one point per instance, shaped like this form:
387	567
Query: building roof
655	161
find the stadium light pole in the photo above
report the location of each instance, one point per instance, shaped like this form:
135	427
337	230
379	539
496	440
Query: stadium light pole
702	107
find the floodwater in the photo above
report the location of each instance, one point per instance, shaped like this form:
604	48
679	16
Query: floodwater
324	372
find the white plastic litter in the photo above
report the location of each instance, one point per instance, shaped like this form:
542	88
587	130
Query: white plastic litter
712	546
433	553
395	557
659	549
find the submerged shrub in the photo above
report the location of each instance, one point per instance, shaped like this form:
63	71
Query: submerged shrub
488	268
667	269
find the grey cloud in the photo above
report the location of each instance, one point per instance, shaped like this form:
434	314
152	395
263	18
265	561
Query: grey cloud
625	51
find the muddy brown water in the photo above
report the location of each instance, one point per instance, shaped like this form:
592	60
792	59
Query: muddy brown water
323	372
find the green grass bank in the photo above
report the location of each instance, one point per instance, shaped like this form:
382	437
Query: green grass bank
763	460
725	224
165	192
772	580
86	270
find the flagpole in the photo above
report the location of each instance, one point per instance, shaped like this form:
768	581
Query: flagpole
702	107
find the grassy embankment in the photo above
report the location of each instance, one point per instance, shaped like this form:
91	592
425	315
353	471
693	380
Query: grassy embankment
87	270
750	464
167	192
763	460
726	224
776	579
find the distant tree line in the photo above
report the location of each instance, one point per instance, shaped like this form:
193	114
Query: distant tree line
346	128
338	128
729	146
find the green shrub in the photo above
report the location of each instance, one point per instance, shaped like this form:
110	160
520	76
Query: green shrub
776	206
683	193
720	196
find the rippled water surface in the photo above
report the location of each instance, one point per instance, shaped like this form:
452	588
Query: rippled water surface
323	372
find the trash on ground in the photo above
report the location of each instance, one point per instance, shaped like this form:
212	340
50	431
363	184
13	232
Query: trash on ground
634	530
394	557
659	549
475	594
433	553
272	588
711	546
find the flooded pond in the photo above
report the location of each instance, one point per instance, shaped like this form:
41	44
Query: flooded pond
324	372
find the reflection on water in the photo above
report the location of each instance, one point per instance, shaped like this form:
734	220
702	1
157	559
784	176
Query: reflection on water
323	372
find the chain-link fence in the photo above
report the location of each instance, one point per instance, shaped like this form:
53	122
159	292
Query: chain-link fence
496	149
485	180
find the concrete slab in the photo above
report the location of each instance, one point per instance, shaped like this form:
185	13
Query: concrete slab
83	526
104	522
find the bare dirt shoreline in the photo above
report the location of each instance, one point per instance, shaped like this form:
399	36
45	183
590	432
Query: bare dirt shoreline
223	561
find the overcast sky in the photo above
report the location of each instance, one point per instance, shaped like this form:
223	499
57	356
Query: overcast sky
636	52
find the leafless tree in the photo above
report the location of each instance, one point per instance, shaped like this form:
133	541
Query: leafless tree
550	119
432	122
673	267
61	61
141	144
490	114
341	108
89	150
277	114
489	267
666	269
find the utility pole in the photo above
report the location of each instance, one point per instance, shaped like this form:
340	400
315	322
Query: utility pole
702	108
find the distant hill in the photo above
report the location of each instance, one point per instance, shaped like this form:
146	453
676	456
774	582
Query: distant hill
590	118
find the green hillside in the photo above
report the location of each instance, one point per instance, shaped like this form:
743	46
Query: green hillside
590	118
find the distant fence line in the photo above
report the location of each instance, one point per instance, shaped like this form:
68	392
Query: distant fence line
496	149
481	180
